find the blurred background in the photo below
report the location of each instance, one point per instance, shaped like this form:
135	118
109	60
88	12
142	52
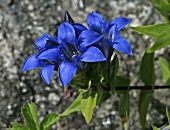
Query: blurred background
24	21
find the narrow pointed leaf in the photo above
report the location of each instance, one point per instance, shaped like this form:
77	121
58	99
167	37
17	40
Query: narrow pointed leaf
147	69
114	66
168	115
155	128
152	30
88	103
124	104
143	104
74	107
163	7
48	121
165	70
161	41
18	126
29	113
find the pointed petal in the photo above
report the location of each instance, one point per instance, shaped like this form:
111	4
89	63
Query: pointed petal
121	22
88	37
50	54
66	32
94	21
66	72
114	33
122	45
32	62
78	28
47	72
93	54
41	42
67	17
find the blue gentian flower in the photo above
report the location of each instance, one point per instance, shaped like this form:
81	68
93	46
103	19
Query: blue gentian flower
43	43
75	54
77	26
106	33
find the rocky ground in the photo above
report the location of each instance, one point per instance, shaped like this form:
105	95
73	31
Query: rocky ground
23	21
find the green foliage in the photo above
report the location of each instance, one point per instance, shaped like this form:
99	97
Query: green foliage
147	69
18	126
88	103
163	6
75	106
153	30
144	100
168	115
161	41
124	104
154	127
29	112
48	121
114	66
165	70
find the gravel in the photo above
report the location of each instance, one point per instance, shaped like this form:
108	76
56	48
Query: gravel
24	21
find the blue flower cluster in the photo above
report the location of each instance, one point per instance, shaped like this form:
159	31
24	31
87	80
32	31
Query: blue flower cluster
75	46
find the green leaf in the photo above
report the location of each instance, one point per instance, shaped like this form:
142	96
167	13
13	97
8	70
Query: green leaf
122	81
29	113
154	127
161	41
144	100
147	69
165	70
105	96
153	30
114	66
124	104
18	126
48	121
88	103
163	6
168	115
75	106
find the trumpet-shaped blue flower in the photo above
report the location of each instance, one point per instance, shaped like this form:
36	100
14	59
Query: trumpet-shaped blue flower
107	32
43	43
74	53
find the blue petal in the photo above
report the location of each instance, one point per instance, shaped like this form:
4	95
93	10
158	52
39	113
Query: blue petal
88	37
66	72
32	62
78	28
121	22
41	42
47	72
95	21
93	54
50	54
122	45
66	32
67	17
114	33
